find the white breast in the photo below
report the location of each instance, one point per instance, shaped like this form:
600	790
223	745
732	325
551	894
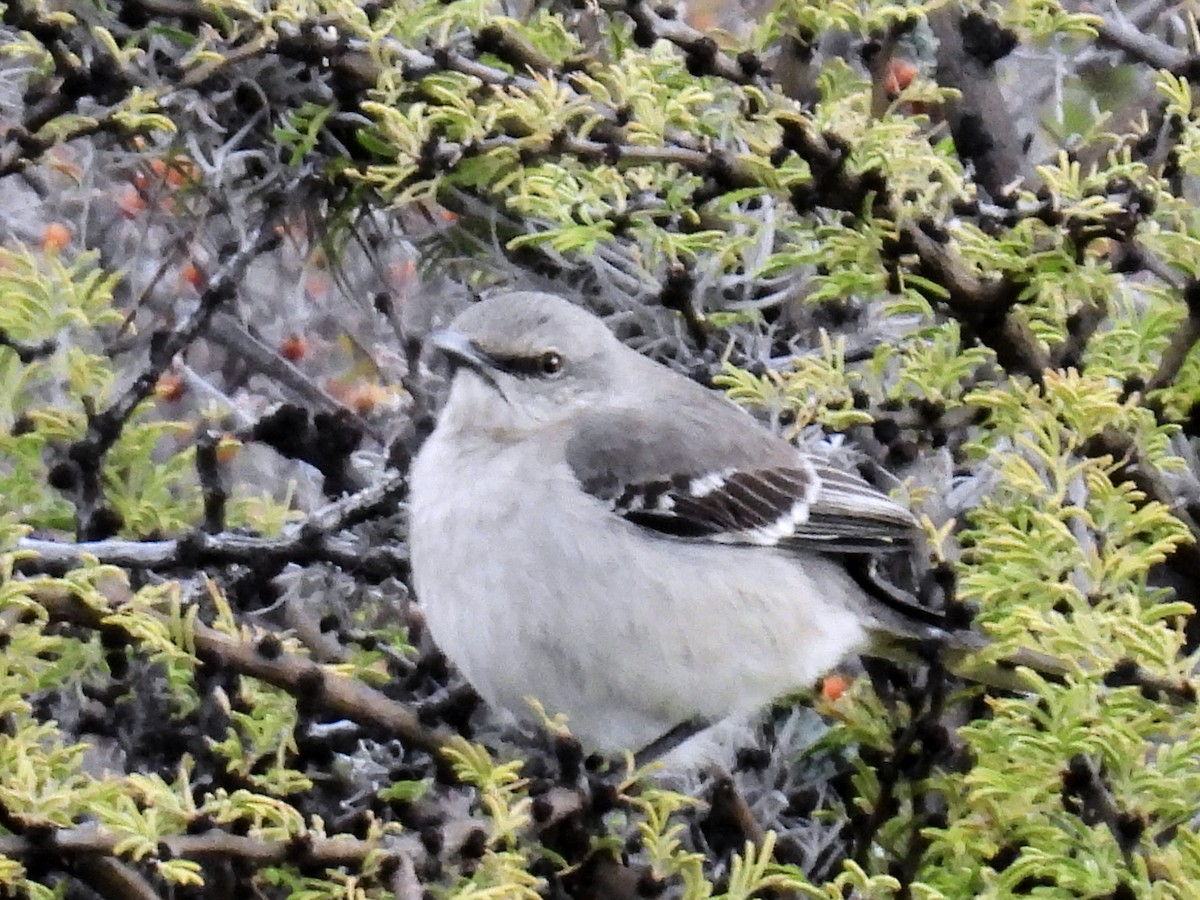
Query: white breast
538	590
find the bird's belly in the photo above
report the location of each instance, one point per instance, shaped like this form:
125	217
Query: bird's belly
626	633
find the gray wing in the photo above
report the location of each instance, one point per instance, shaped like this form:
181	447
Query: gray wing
713	473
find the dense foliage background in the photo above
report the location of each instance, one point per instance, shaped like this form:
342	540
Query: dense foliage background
962	235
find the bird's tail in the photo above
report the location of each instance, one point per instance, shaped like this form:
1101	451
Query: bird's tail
963	654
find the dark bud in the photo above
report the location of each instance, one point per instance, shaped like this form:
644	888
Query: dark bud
63	477
1134	384
903	453
929	410
946	579
23	424
893	281
965	207
701	56
985	40
1005	857
113	637
886	431
959	616
433	841
200	823
118	664
643	33
286	429
270	647
650	886
490	39
1129	829
720	167
1123	674
105	523
247	100
803	198
1049	215
1191	296
240	826
1078	778
310	686
475	844
604	796
749	63
133	15
972	138
677	292
569	754
802	803
541	810
934	231
752	758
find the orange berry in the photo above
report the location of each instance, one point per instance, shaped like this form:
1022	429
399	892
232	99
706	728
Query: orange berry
402	272
363	398
227	448
56	237
170	387
318	286
131	203
180	171
900	74
192	276
834	686
294	348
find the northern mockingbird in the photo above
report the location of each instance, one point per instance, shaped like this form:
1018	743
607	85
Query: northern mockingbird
596	531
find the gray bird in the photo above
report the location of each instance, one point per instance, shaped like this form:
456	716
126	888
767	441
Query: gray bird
598	532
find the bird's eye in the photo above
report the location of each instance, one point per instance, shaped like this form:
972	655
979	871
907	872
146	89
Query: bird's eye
551	363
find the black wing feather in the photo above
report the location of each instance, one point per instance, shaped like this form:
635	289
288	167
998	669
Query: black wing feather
747	486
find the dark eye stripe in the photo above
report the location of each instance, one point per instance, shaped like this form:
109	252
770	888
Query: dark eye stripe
521	366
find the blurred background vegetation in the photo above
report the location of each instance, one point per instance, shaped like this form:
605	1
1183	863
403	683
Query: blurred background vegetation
957	239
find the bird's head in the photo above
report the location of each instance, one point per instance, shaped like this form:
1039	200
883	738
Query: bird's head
524	362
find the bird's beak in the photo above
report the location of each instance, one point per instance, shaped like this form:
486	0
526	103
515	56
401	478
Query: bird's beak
463	353
460	349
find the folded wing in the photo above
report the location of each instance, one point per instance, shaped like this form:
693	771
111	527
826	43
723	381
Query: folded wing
742	486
